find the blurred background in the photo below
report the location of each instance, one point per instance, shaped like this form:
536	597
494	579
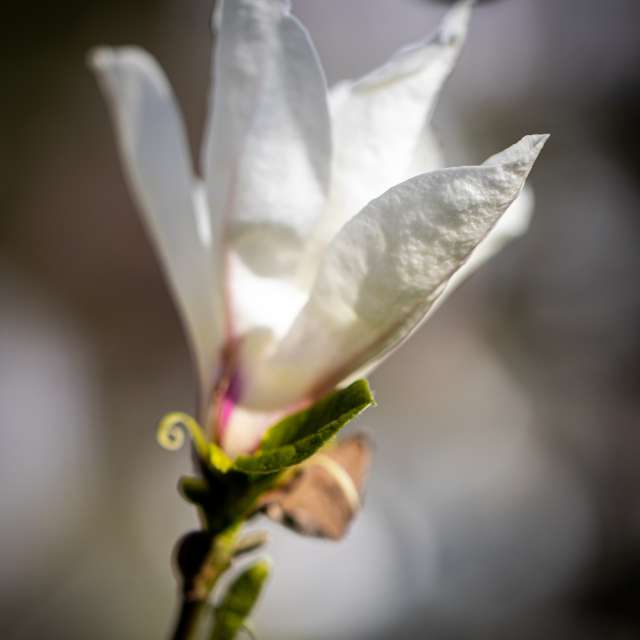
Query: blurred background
504	501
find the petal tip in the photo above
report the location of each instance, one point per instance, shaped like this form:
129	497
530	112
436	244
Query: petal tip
521	154
535	143
99	57
453	28
104	57
538	139
113	64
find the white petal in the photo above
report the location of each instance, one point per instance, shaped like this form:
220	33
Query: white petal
380	122
269	303
383	272
513	224
268	144
245	429
154	151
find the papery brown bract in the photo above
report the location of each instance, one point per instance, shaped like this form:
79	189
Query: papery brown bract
316	500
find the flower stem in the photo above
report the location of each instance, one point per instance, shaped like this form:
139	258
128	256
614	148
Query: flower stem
188	623
202	559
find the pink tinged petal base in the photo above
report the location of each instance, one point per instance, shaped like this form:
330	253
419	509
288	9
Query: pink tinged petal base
236	429
382	273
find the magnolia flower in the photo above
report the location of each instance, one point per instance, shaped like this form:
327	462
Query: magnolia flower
321	231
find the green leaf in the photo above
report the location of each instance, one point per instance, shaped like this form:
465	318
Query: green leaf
300	435
194	490
239	601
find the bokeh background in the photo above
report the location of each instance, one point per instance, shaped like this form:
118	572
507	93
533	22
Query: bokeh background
505	496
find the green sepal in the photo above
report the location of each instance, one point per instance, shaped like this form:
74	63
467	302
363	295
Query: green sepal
224	499
218	459
298	436
238	602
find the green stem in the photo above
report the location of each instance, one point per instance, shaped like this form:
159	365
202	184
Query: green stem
189	619
200	573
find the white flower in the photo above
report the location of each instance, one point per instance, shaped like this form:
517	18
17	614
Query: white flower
321	232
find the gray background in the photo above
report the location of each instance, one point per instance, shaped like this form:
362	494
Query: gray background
504	501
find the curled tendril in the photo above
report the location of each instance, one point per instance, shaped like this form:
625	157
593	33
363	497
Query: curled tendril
172	430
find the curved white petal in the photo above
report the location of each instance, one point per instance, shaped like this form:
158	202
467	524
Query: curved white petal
513	224
268	144
380	122
383	272
154	151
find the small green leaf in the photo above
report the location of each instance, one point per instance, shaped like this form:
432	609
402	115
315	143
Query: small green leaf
194	490
239	600
300	435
